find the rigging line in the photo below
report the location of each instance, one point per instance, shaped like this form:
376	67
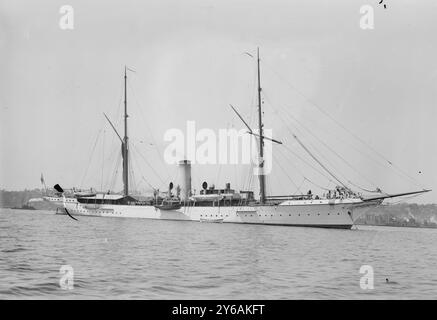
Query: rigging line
177	177
305	178
366	190
287	125
112	159
131	175
254	142
320	163
375	160
156	146
219	162
139	168
103	160
142	174
175	174
110	183
348	131
218	171
247	181
298	189
254	95
152	187
118	118
323	142
245	177
291	162
309	180
147	182
359	151
114	124
404	198
250	177
91	156
317	185
307	163
244	180
286	173
314	157
115	173
252	108
197	183
145	160
291	131
120	100
346	162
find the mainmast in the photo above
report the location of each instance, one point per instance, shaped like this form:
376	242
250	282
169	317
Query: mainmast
261	140
125	152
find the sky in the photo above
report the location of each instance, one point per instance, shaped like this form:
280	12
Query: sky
356	98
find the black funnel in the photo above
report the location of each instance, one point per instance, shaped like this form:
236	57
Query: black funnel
58	188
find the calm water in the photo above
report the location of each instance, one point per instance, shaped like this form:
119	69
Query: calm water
144	259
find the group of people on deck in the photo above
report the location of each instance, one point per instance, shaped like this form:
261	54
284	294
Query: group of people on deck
337	193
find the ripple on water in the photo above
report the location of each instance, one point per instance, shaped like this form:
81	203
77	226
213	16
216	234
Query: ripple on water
170	260
18	249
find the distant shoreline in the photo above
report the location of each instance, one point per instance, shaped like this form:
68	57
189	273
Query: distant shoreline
396	226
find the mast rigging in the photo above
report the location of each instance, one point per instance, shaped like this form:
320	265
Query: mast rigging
262	180
124	145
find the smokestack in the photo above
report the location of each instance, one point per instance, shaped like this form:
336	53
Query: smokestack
185	179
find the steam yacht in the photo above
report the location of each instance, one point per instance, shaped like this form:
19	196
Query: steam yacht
339	208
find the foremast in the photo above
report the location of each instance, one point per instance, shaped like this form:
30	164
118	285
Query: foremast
124	145
262	180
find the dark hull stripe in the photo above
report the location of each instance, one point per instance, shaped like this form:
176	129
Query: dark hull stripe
325	226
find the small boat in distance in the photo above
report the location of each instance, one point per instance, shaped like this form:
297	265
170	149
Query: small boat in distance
208	220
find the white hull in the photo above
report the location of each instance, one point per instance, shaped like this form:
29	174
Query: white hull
338	213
